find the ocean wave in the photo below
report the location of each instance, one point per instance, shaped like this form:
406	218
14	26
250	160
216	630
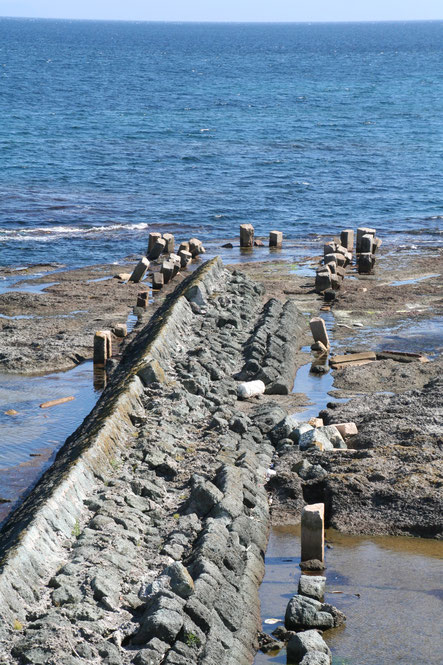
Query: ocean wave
47	232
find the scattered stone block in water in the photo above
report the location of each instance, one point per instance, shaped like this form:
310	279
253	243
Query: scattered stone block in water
102	347
167	270
120	330
276	239
139	270
157	281
312	586
363	230
196	247
250	389
258	243
157	249
152	239
184	247
304	645
185	258
313	532
318	330
347	239
329	248
347	429
366	243
169	239
246	235
366	263
323	281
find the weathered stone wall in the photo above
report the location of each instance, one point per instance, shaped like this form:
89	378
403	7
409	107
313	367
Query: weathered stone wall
144	543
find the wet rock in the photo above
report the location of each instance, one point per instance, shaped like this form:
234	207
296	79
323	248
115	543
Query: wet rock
312	586
309	642
303	612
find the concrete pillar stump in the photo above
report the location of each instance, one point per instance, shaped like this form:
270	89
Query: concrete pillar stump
152	239
363	230
169	239
157	281
313	532
102	347
139	270
366	243
185	258
167	270
157	249
246	235
276	239
318	330
347	239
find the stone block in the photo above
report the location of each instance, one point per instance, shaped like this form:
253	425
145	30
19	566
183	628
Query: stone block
366	243
315	438
185	258
152	372
152	239
275	239
316	422
331	266
347	429
329	248
341	272
169	239
323	281
176	260
139	270
120	330
336	282
157	249
250	389
330	258
363	230
334	436
142	299
347	239
196	247
313	532
102	347
167	271
318	330
309	642
366	263
157	281
246	235
184	247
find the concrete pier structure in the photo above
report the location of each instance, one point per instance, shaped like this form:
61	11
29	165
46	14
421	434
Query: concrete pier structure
313	532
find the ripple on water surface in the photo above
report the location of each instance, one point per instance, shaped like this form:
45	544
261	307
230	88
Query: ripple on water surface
395	618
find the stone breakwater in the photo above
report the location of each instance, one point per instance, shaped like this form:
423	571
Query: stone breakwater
144	542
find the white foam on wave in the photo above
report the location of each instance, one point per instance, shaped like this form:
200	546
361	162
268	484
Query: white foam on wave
45	233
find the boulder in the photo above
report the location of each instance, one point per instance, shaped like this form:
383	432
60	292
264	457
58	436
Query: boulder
334	436
315	437
309	642
304	612
312	586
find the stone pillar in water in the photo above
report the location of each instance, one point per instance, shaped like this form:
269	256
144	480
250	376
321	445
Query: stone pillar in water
313	532
102	346
246	235
275	239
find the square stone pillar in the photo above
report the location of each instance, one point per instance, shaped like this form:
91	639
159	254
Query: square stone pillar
152	239
276	239
246	235
313	532
347	239
139	270
318	330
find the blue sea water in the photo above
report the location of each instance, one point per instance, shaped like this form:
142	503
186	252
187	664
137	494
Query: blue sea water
111	129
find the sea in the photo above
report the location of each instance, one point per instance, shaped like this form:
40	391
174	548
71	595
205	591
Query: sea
109	130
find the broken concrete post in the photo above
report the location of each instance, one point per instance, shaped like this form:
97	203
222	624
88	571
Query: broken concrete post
195	247
275	239
246	235
330	258
322	281
102	347
363	230
184	247
142	299
347	239
313	532
331	266
153	237
250	389
185	257
157	281
120	330
176	260
329	248
366	263
139	270
318	330
169	239
366	243
167	270
157	249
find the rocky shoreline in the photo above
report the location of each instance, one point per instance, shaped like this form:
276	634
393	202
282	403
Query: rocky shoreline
158	552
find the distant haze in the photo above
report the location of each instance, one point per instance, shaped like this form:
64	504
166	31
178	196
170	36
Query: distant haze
227	10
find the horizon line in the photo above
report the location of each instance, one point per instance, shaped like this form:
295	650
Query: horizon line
225	22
